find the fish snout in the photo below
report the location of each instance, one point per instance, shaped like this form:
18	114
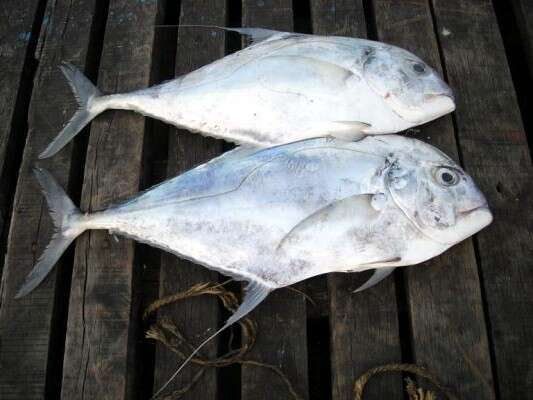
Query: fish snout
437	105
477	217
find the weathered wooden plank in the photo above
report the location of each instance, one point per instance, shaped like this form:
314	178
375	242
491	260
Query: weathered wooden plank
100	332
364	326
494	149
444	294
19	32
281	319
199	317
30	328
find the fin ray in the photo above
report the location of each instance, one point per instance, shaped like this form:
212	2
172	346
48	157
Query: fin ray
66	219
85	93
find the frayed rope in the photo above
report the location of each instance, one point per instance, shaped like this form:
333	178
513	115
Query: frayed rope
167	333
414	393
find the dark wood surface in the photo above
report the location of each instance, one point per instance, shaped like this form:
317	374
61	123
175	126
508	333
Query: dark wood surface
466	314
437	318
19	32
495	151
101	334
30	328
523	15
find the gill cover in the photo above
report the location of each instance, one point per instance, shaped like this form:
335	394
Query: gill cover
429	207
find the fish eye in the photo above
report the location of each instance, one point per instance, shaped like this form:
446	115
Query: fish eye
447	176
419	68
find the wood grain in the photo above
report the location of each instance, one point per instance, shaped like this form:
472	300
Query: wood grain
444	294
29	327
364	326
18	37
494	149
281	318
101	325
198	317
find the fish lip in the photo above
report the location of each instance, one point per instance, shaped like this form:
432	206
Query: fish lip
471	210
437	96
434	106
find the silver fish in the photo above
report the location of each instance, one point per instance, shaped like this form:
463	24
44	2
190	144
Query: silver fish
285	87
277	216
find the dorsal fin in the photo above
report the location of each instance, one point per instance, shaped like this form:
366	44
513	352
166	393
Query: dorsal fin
255	293
256	35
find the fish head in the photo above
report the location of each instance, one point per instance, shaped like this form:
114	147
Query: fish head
410	87
438	197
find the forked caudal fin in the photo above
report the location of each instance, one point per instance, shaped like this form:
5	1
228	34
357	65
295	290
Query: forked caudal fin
88	97
255	294
68	221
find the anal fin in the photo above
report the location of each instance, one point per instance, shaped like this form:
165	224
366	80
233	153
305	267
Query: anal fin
255	293
378	275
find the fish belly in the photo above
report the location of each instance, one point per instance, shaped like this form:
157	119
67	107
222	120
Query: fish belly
238	231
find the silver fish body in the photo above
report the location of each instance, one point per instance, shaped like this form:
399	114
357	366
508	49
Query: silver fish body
253	218
280	215
285	88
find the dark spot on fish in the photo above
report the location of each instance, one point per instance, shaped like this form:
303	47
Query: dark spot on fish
405	78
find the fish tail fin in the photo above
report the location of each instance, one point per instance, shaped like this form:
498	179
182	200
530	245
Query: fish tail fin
90	103
69	223
255	294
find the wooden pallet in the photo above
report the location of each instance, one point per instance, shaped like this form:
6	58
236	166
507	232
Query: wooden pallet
466	314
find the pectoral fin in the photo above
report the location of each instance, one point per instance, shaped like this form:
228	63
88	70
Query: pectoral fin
378	275
355	209
350	131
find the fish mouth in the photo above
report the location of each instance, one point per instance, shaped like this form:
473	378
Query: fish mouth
433	106
471	210
436	105
479	216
